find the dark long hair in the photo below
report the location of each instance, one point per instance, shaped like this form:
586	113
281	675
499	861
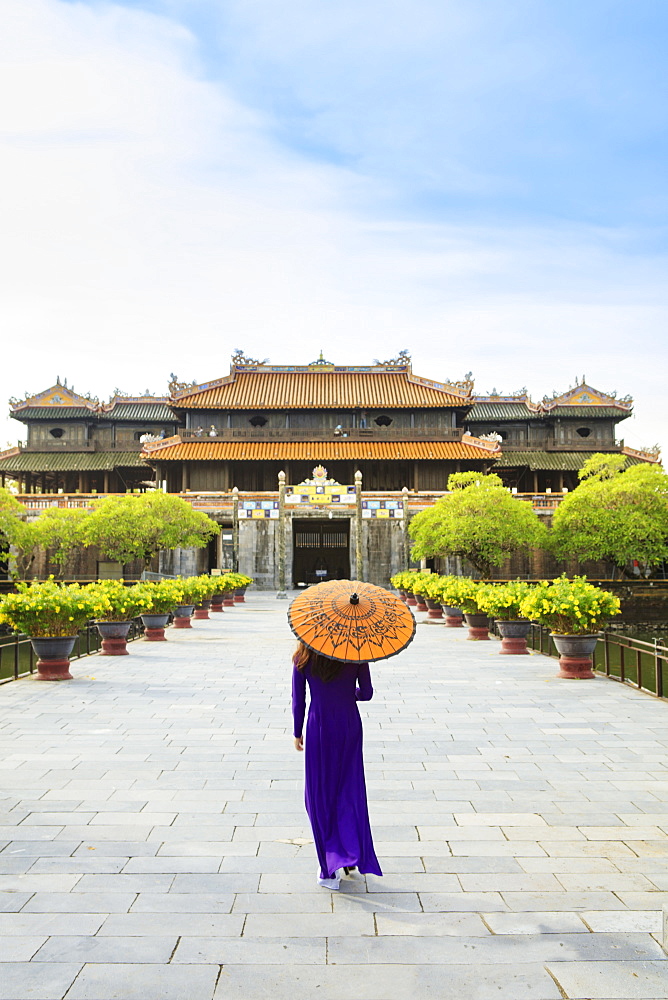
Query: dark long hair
324	668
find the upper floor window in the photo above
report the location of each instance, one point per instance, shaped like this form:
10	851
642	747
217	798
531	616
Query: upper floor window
258	420
383	420
57	432
502	434
584	432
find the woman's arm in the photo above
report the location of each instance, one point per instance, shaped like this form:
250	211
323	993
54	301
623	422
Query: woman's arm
298	701
364	688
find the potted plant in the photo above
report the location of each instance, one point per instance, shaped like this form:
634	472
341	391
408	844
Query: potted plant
448	592
51	615
121	605
465	591
207	586
241	581
163	597
409	578
432	595
191	590
224	592
502	601
400	583
418	586
574	610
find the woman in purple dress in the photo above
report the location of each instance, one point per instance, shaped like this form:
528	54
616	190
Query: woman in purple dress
335	792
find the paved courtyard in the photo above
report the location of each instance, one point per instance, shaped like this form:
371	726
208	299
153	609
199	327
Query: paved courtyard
154	846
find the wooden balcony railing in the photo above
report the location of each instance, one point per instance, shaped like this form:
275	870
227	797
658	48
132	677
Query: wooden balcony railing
74	446
325	434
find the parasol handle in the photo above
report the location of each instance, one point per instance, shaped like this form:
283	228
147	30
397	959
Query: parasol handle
354	599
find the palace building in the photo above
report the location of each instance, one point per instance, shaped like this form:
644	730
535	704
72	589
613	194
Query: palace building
381	429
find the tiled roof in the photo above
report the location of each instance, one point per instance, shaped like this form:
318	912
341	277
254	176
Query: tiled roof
318	451
558	460
54	413
589	412
520	411
266	390
500	411
70	461
145	412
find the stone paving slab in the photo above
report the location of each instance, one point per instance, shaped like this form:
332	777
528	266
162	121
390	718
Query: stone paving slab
153	842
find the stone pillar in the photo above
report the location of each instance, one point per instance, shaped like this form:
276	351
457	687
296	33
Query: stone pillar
281	595
359	564
106	480
406	562
235	529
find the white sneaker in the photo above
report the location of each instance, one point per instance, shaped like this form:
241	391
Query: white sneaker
330	883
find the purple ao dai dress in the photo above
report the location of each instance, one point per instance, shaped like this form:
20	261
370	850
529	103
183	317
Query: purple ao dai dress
335	791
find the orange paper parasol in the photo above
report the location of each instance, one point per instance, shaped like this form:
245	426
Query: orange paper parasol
350	620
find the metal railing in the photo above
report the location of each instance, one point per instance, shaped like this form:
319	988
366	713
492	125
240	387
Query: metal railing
18	659
636	662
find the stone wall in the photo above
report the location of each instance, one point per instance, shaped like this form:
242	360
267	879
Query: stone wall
258	552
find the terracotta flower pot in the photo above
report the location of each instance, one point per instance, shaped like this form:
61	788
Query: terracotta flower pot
513	636
575	655
403	595
478	626
114	637
420	603
217	602
202	611
239	596
182	615
228	599
453	616
411	600
53	652
154	627
434	608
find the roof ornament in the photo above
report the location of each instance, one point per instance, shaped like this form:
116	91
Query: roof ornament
239	360
402	358
466	384
321	362
176	386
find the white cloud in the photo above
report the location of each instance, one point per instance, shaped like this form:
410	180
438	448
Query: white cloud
152	223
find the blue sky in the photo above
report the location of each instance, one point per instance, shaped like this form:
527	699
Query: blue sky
461	110
482	182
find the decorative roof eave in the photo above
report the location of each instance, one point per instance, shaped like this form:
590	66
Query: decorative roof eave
152	446
127	400
57	397
520	398
586	395
491	446
643	454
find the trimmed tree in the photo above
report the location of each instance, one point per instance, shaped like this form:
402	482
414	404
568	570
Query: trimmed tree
18	537
61	532
614	515
480	522
137	526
